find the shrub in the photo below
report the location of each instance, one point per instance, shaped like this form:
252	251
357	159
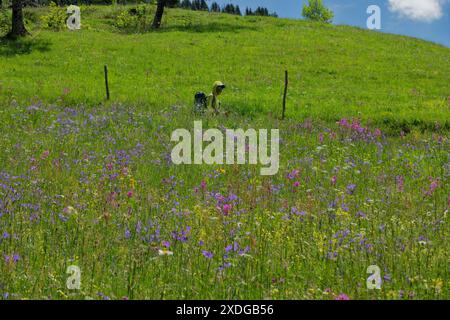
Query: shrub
55	19
135	19
316	11
30	16
5	22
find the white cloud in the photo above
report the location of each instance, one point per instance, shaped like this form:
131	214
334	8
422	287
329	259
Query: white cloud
419	10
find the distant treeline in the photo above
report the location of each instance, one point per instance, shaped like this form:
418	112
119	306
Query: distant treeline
198	5
201	5
35	3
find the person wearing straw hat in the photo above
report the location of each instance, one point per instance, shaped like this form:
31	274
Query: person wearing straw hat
211	101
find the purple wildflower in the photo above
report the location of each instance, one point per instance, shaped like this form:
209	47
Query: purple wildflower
226	209
351	188
166	244
361	214
342	296
293	174
207	254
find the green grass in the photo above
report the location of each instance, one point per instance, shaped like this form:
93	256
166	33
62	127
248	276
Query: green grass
89	183
335	71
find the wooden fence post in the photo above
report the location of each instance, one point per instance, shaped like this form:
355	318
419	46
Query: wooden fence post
106	82
286	81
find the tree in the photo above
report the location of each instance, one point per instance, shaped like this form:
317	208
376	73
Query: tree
204	6
259	11
196	5
158	14
18	26
229	8
237	11
215	7
173	3
316	11
186	4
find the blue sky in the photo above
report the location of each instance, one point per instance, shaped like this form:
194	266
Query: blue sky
426	19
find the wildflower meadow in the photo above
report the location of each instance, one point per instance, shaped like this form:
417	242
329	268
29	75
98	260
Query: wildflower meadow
93	207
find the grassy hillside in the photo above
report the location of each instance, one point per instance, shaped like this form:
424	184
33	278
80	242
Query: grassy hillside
335	71
90	183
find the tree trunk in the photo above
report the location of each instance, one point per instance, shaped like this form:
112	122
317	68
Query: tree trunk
18	27
159	14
